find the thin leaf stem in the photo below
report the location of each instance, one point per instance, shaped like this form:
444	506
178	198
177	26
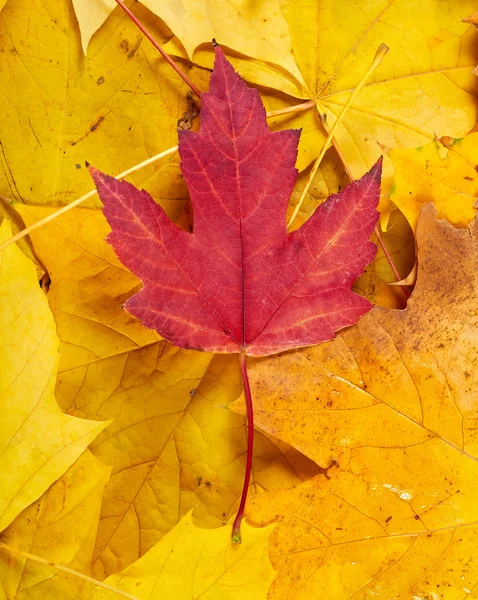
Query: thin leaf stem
379	56
236	528
164	54
54	565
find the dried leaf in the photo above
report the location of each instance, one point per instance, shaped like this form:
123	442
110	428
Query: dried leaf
390	407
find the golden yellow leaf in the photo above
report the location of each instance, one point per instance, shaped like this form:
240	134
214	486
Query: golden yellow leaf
390	407
172	445
429	67
38	442
61	527
261	34
347	537
88	286
446	176
190	563
113	109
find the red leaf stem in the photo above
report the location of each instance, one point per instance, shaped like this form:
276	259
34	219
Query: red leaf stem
164	54
236	528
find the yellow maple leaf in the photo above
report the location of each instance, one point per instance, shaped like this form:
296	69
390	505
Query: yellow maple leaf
60	527
393	416
296	51
172	445
61	108
260	34
429	67
190	562
445	175
38	442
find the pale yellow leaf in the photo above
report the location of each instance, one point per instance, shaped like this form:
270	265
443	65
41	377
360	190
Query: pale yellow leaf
37	441
91	14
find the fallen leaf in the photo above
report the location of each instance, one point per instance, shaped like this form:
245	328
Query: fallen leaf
428	67
390	407
38	442
353	536
269	294
69	511
192	563
61	108
443	175
259	34
91	15
112	368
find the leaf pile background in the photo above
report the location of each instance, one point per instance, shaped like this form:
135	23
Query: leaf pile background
122	455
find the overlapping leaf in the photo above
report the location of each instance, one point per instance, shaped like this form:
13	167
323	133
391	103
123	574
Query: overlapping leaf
69	511
442	173
192	563
61	108
172	445
429	66
37	441
390	407
239	282
336	535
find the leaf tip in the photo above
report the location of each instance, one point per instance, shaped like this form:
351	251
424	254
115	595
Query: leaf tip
376	171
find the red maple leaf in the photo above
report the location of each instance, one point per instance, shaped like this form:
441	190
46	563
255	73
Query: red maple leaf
239	282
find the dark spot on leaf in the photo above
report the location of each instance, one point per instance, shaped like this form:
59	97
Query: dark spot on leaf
468	178
101	80
97	124
134	49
